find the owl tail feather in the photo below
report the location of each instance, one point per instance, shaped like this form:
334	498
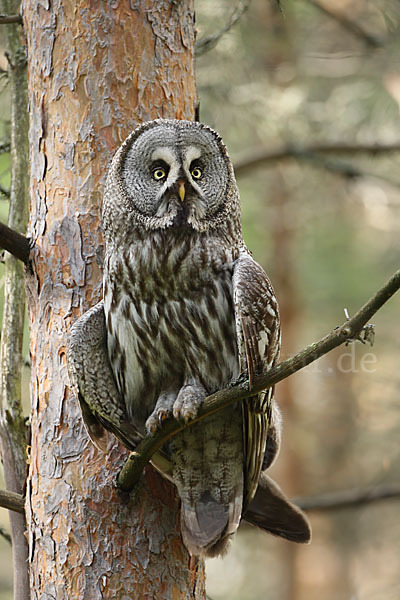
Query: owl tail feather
207	526
272	511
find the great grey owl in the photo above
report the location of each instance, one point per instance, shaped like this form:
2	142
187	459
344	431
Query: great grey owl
186	311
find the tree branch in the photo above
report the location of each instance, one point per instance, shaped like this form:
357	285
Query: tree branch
209	42
257	158
369	39
12	501
7	19
348	498
5	192
345	170
4	146
5	535
15	243
350	330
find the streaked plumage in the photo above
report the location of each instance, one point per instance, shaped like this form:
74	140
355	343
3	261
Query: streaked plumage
187	310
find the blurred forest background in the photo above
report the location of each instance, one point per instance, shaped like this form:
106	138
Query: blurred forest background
325	227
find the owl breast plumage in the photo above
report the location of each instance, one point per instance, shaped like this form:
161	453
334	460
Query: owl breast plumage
173	319
186	311
171	329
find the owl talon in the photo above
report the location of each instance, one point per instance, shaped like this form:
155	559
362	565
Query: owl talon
156	420
162	411
151	425
185	414
187	404
162	416
189	413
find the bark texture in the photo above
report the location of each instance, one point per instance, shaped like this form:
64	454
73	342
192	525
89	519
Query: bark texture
95	71
13	430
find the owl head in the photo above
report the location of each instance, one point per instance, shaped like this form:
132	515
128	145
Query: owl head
171	173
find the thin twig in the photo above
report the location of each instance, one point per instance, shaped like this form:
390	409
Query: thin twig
351	26
345	170
12	501
15	243
4	146
348	498
4	191
209	42
7	19
349	330
262	156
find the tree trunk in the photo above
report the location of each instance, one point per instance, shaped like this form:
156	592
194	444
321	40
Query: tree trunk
284	278
95	71
13	429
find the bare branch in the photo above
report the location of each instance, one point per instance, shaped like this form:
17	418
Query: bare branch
209	42
7	19
349	498
5	192
346	170
15	243
369	39
4	146
350	330
257	158
12	501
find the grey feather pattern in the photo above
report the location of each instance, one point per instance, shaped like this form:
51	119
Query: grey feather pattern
93	382
270	510
186	310
258	331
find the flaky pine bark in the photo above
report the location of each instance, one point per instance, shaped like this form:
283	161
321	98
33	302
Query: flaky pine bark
95	71
13	430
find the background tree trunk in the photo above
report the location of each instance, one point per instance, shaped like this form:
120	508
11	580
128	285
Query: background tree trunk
284	278
95	71
13	429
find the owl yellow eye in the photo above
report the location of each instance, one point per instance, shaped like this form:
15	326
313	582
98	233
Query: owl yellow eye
159	173
197	173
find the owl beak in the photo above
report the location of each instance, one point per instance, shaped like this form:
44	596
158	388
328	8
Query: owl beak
182	191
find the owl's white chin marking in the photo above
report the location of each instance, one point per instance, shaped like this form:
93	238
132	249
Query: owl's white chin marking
198	224
190	212
168	207
197	210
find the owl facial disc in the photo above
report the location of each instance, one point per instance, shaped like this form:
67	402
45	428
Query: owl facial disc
175	174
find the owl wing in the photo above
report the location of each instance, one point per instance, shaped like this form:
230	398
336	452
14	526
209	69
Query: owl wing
92	379
258	336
